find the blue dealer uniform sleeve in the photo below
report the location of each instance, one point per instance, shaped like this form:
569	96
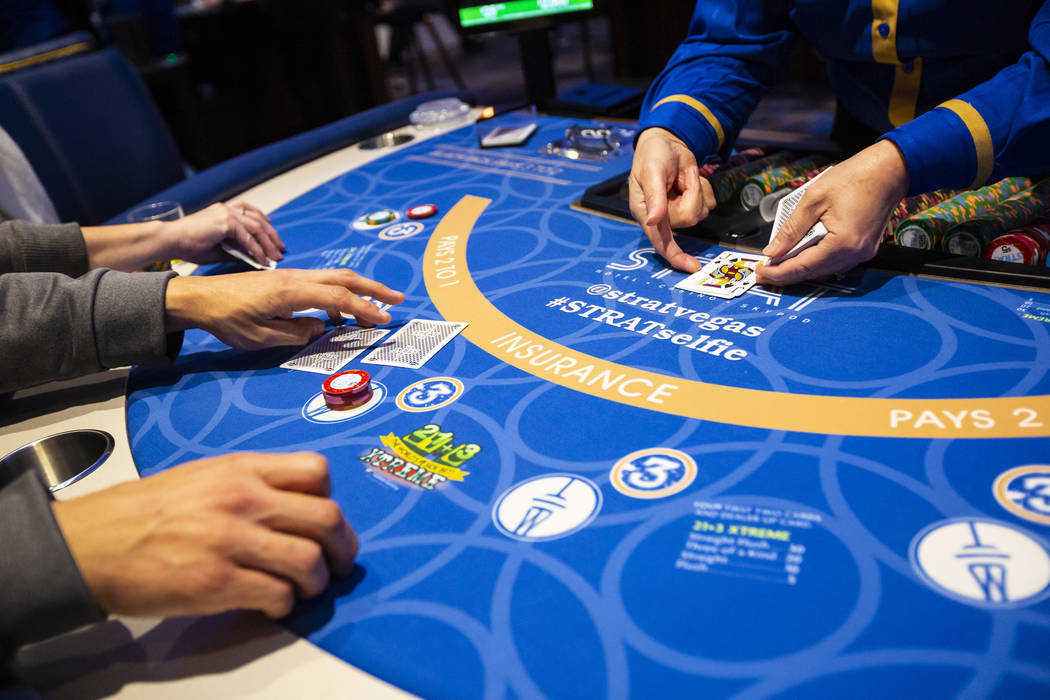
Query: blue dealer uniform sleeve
998	128
736	49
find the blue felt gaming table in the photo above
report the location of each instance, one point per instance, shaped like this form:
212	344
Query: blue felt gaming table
832	490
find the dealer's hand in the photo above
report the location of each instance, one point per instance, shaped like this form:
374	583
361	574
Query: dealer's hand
252	310
854	201
197	237
241	531
667	192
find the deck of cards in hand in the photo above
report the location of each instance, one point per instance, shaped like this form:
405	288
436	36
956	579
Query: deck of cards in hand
732	273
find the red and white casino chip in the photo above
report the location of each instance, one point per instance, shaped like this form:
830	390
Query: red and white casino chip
348	389
423	211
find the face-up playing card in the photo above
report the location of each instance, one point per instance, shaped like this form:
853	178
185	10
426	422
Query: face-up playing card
334	349
727	276
414	344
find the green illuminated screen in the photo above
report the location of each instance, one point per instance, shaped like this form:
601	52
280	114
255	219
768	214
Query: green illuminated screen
496	12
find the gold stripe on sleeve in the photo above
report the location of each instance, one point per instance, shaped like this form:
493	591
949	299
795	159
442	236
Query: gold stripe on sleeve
699	107
51	55
982	138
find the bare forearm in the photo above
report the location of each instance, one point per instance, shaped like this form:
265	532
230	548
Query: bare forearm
128	247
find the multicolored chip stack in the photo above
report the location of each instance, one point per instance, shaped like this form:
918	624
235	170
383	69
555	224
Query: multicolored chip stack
913	205
927	228
974	236
772	179
767	208
735	159
346	390
726	182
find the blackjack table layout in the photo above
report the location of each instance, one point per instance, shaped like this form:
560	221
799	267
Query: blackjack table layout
573	479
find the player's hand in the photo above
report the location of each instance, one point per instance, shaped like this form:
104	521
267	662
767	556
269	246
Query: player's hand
854	200
246	531
667	192
252	310
197	237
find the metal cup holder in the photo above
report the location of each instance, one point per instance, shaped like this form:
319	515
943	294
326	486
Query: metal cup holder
62	459
387	140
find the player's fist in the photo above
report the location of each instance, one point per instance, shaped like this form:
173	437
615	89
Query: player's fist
667	192
197	237
248	531
252	310
854	201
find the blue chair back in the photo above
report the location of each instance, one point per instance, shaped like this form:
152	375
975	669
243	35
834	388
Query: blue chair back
90	129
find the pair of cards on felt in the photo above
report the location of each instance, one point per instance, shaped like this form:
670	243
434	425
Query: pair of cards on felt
732	273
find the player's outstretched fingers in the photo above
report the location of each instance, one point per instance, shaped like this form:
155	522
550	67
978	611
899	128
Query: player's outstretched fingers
278	332
335	296
249	589
240	204
247	241
297	559
263	232
302	472
360	284
321	521
256	213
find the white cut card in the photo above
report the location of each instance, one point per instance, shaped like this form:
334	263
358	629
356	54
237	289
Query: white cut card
784	208
329	353
244	257
727	276
508	136
414	344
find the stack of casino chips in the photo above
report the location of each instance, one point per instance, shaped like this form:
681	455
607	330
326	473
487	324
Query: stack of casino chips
910	206
735	159
1029	245
346	390
727	182
913	205
767	208
773	179
927	228
974	236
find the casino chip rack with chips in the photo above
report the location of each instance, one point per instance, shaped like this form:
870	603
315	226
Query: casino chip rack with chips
604	500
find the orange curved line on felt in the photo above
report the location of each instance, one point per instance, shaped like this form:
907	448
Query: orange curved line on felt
457	298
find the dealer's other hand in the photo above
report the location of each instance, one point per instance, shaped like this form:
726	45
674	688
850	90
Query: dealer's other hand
197	237
249	531
667	192
854	200
252	310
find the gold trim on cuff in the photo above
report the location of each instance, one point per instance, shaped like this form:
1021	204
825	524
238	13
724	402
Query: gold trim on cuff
699	107
982	138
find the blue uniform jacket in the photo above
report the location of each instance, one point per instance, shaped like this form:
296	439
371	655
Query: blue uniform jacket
961	86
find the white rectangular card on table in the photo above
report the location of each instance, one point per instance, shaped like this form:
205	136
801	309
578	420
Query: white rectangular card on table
244	257
728	276
333	350
414	344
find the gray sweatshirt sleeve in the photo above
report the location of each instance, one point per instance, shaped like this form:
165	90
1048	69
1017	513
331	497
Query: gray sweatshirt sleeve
28	247
43	591
55	327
